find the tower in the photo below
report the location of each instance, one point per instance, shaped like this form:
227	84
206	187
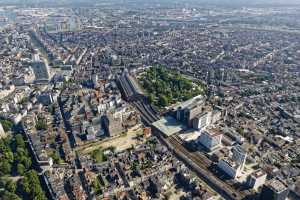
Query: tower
274	189
239	155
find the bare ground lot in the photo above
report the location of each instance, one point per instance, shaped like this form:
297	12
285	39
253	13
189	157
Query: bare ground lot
121	142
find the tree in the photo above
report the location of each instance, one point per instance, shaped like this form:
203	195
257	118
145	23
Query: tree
11	186
98	155
21	169
241	131
27	162
5	167
56	158
8	156
19	141
163	101
151	98
96	186
168	86
41	125
32	186
3	182
51	109
10	196
20	153
26	184
38	194
22	156
7	124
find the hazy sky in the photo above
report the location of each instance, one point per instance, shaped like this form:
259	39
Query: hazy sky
228	2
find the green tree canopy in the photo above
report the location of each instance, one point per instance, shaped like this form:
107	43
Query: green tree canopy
98	155
164	87
41	124
5	167
21	169
32	186
19	141
6	124
11	186
10	196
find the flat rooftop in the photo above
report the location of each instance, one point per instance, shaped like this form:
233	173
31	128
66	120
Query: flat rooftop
212	132
169	125
195	101
277	185
190	135
258	174
230	162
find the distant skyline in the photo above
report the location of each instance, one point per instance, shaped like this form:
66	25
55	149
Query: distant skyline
207	2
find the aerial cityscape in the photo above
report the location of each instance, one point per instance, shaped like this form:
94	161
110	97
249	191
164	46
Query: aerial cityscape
149	100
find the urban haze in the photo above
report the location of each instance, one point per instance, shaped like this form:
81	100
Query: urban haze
149	99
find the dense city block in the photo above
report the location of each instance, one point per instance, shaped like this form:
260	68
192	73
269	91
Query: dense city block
142	100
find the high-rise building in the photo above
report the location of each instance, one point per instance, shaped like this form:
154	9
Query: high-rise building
211	139
256	179
229	167
239	155
95	80
189	109
234	164
202	120
274	189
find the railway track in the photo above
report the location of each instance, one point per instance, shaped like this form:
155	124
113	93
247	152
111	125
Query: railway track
147	116
201	164
201	160
132	94
149	112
